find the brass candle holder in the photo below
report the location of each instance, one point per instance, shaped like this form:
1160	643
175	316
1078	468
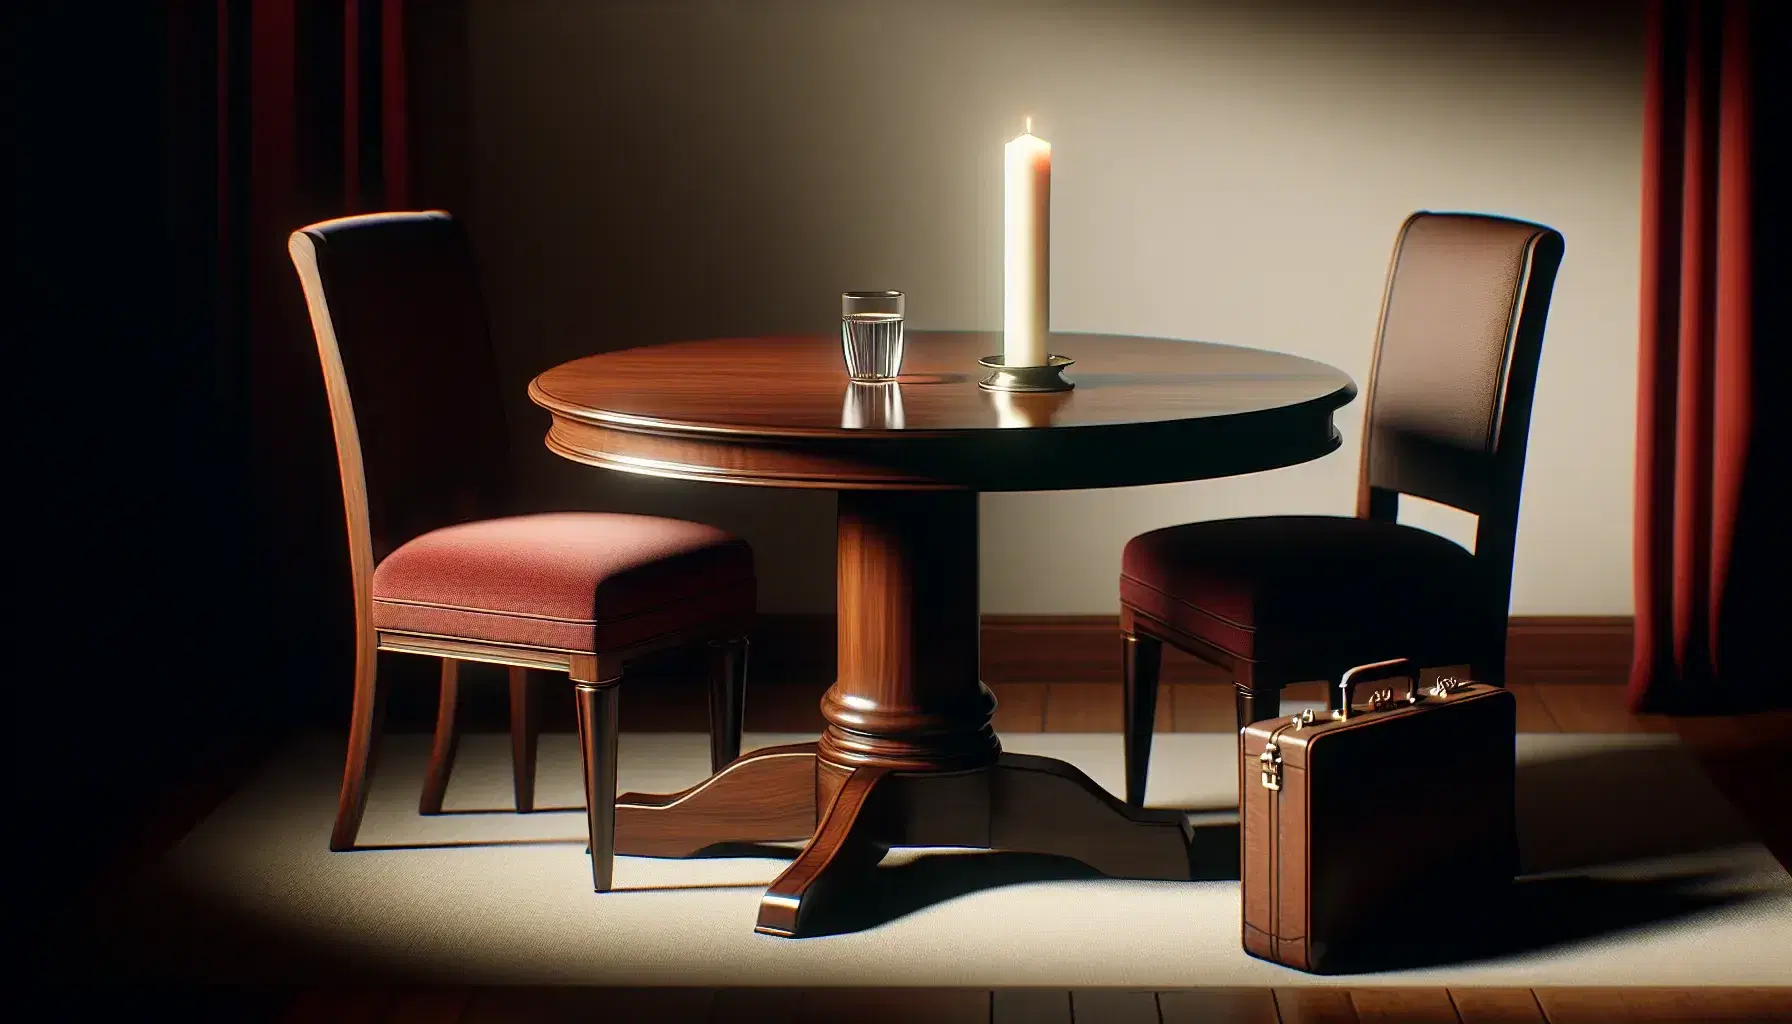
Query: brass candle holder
1003	377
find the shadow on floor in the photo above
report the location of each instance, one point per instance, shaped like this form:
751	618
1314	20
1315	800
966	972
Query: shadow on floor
888	892
1541	914
1618	804
1597	807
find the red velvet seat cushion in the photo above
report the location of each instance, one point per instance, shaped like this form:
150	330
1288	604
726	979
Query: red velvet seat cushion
576	581
1303	587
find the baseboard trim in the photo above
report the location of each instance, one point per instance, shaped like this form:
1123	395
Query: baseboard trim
1086	649
795	654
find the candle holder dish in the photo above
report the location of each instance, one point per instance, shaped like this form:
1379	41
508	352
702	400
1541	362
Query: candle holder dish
1049	377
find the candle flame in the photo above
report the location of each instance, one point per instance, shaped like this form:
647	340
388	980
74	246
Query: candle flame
1029	130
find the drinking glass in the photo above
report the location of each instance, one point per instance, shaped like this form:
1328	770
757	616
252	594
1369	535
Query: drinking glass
871	334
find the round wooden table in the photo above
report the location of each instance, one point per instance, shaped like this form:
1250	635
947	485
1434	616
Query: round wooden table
908	757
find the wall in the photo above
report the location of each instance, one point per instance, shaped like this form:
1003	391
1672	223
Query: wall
649	171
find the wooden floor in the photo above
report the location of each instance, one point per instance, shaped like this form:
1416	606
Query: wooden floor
1333	1005
1748	757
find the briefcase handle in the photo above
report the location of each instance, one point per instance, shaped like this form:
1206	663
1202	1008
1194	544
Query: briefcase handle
1378	672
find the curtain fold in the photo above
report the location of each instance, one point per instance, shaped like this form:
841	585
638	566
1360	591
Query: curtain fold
313	122
1701	437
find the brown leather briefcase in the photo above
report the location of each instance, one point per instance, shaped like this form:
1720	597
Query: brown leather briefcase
1372	838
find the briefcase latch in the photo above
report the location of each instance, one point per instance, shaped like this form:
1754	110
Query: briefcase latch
1446	685
1269	763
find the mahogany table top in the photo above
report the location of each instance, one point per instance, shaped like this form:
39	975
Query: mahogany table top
779	411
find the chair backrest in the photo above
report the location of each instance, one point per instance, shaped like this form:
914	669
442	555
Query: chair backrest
410	375
1454	371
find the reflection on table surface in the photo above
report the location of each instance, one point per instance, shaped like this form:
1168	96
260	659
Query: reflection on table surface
1021	409
872	407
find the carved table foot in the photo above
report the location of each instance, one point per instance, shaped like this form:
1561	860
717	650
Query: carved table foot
1020	804
853	836
767	796
1044	805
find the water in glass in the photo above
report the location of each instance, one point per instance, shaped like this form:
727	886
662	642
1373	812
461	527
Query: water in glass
873	343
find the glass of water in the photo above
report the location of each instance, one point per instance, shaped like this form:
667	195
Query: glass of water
871	334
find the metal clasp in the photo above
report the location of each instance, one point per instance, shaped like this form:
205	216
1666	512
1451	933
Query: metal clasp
1269	763
1446	685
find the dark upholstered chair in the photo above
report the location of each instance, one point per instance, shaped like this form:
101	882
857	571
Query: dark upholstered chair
439	570
1284	599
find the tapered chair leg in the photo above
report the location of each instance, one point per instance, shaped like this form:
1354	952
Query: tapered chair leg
727	700
1143	660
365	722
447	740
525	737
1257	701
597	747
1490	666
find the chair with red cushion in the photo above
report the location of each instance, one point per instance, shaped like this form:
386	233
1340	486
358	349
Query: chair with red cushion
1282	599
438	567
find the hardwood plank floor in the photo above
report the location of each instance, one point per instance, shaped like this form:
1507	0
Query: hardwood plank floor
1204	1005
1030	1006
1202	708
427	1006
1682	1006
1113	1006
563	1005
1496	1006
1588	707
1315	1006
345	1005
895	1006
1095	707
1533	713
1403	1006
754	1006
1020	707
1302	1005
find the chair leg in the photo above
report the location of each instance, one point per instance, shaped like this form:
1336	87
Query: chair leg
1257	701
1143	659
597	748
447	741
364	727
1490	666
525	736
727	698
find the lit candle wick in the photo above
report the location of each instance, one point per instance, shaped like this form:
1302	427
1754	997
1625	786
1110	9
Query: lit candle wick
1029	130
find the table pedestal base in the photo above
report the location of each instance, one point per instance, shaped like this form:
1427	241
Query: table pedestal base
908	757
852	816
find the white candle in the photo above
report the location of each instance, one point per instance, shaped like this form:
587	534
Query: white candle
1026	248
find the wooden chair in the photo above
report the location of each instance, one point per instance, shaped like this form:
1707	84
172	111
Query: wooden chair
1283	599
439	570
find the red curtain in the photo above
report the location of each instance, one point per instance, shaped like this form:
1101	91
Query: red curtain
1702	437
312	114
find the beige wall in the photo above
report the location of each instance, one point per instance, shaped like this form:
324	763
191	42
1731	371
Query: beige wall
648	171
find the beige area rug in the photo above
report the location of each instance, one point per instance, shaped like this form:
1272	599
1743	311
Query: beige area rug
1643	875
